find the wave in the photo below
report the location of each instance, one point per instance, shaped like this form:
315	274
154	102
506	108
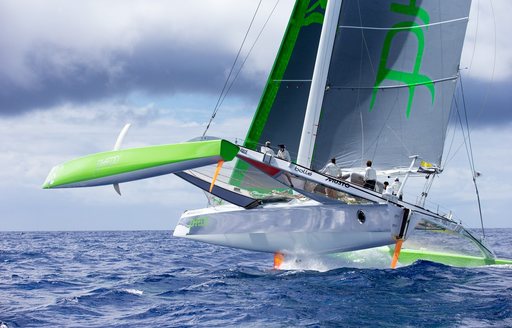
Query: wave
192	284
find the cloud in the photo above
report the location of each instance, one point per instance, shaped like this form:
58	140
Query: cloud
487	102
487	64
487	49
81	52
56	51
151	68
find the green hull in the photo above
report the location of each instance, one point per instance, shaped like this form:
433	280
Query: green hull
138	163
408	256
376	257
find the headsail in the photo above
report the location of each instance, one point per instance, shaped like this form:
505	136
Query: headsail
282	106
392	76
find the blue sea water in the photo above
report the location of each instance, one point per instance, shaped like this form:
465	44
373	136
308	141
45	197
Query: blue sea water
151	279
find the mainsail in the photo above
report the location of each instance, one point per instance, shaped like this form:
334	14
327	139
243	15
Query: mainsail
391	81
389	88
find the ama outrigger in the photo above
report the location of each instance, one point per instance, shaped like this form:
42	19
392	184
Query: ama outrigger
353	80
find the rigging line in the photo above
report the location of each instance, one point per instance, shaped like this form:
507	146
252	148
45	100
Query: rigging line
450	129
385	125
249	53
359	90
216	108
405	27
374	143
364	39
463	132
429	186
426	189
463	142
474	173
476	35
364	47
455	153
467	126
451	118
454	119
362	139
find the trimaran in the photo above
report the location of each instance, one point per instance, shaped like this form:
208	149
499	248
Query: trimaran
352	80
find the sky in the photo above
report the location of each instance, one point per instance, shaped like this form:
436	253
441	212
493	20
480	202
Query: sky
72	73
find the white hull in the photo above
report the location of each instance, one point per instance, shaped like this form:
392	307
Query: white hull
293	228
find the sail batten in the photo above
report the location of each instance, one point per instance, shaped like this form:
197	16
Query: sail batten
451	78
463	19
292	80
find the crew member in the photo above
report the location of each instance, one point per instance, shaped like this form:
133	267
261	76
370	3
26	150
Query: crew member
370	176
395	188
267	149
332	170
387	192
283	153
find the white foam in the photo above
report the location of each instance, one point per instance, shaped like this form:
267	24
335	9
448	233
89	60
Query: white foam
376	258
133	291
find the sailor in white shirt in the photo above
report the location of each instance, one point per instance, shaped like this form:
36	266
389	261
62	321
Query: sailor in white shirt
395	187
267	150
283	153
387	192
332	169
370	176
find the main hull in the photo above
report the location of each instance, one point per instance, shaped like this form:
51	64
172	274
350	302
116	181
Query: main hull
294	228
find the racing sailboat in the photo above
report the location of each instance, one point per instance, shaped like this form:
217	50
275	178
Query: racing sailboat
353	80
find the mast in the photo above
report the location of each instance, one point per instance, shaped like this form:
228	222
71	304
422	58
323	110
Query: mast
316	93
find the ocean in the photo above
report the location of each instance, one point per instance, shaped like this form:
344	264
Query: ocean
151	279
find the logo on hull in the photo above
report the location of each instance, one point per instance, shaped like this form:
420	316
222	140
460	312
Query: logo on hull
200	221
303	171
